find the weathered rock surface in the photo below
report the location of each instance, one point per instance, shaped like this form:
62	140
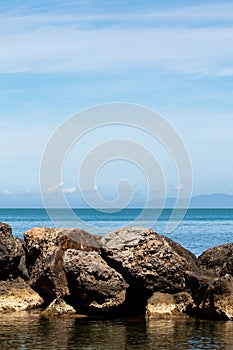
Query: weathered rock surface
148	262
197	284
164	305
94	286
218	300
10	252
217	261
44	251
59	307
16	295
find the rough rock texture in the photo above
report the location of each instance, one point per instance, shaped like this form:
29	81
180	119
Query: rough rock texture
16	295
59	307
164	305
94	285
148	262
10	252
44	251
217	261
197	284
22	268
218	300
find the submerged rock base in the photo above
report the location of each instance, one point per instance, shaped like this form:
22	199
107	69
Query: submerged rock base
129	271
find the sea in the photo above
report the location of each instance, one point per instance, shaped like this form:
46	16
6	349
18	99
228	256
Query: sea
199	230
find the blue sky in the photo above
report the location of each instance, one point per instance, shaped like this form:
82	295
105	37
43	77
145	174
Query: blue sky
58	57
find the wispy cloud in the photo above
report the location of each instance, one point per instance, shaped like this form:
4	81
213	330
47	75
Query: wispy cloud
54	189
42	43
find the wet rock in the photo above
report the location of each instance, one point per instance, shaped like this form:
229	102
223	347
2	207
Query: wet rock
148	262
95	287
58	307
217	261
218	300
16	295
164	305
10	253
44	249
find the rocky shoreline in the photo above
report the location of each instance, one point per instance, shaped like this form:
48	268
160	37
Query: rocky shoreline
128	271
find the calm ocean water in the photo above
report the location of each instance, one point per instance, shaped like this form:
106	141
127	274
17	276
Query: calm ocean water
199	230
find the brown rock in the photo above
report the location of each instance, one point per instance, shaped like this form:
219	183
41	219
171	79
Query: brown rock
44	251
16	295
148	262
95	287
58	307
10	253
217	261
197	284
218	300
164	305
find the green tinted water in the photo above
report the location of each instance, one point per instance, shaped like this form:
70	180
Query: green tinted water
29	331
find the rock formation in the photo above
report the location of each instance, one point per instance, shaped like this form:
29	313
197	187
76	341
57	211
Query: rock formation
45	248
131	270
94	286
148	262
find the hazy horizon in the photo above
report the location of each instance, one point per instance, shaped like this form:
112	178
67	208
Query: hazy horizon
59	57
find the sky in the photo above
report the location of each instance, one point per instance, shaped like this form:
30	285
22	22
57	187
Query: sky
60	57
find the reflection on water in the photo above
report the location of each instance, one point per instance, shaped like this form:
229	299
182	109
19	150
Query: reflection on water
28	331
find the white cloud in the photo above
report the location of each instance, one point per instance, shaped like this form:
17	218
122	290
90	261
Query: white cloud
7	193
179	187
56	43
54	189
69	190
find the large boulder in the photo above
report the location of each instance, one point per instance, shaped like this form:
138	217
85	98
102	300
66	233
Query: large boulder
149	262
164	305
217	261
94	286
44	249
10	253
218	299
16	295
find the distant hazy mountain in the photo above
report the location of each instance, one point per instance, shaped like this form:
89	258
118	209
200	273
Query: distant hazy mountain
216	200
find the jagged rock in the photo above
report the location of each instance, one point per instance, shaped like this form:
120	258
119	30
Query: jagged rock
16	295
94	286
217	261
164	305
22	268
59	307
147	261
184	303
218	300
44	249
197	284
10	253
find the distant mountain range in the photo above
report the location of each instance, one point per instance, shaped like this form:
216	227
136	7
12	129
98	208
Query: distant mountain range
215	200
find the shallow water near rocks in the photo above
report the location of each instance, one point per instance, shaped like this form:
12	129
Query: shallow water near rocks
26	331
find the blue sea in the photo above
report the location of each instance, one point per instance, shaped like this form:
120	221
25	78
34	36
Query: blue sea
199	230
